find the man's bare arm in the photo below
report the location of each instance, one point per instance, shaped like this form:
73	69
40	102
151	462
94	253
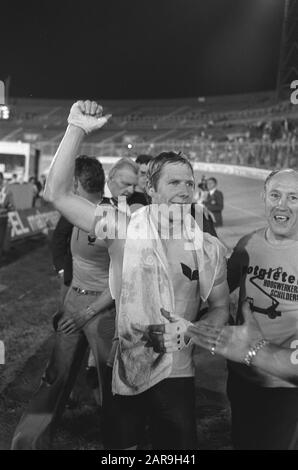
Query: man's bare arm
85	116
278	361
234	342
218	301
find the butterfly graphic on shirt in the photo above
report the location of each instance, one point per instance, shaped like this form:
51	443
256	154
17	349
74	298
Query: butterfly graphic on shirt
192	275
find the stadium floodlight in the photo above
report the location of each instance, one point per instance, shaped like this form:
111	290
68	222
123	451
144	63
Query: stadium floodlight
129	146
4	112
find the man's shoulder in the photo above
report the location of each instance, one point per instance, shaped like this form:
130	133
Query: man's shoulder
250	238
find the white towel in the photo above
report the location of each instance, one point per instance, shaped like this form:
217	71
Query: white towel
146	288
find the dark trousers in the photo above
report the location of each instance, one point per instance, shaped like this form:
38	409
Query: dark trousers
218	218
168	408
263	418
37	424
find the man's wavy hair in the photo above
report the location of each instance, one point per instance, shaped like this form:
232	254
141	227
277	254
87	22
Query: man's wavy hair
90	173
156	165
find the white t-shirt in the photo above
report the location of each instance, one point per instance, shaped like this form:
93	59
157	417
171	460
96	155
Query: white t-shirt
183	265
184	272
268	274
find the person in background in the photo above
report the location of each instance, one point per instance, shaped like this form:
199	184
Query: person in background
42	181
62	262
87	317
140	195
33	182
202	192
214	201
2	191
62	258
122	179
6	198
14	179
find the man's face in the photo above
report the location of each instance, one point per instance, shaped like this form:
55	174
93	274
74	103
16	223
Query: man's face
175	185
123	183
281	205
210	185
142	176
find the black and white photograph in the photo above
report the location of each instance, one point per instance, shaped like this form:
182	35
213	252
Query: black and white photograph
149	228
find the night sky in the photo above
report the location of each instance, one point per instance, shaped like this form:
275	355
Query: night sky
116	49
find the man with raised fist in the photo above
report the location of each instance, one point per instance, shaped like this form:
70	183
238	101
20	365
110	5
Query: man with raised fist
156	278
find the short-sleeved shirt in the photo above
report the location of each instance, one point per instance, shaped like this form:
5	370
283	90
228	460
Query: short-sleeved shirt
106	219
90	262
268	274
184	269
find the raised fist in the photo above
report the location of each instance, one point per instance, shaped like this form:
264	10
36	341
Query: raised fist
87	115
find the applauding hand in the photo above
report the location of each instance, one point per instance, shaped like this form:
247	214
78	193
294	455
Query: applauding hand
232	342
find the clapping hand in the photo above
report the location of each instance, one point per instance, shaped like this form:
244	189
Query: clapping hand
232	342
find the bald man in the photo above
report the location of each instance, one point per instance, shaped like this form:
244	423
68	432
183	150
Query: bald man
264	264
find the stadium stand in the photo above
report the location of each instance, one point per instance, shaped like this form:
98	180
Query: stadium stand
254	130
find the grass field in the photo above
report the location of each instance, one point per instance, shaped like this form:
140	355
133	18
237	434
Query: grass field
29	301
